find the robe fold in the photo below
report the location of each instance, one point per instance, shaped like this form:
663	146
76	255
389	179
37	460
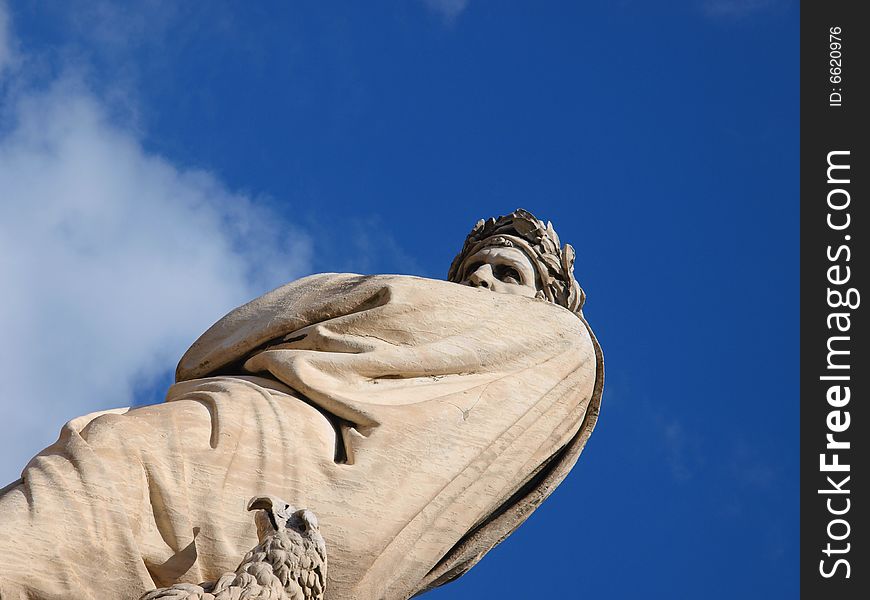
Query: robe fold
422	421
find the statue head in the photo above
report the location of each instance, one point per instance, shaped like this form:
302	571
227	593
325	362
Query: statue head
519	254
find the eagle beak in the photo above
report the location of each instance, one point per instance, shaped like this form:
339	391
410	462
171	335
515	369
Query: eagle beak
275	508
261	503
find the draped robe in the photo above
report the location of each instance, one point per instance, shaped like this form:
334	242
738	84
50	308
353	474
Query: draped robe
422	421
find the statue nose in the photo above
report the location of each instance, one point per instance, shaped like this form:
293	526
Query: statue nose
481	277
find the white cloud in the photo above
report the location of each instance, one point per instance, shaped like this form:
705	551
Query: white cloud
449	9
112	260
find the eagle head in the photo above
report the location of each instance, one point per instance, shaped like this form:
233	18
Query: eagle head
278	516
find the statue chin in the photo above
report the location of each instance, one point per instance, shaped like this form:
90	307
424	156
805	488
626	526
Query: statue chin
420	420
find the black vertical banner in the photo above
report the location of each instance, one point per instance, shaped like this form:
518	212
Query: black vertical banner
835	371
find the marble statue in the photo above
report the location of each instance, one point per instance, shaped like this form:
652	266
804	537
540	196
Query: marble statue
421	421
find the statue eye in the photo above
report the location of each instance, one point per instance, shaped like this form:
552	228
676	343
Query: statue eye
507	274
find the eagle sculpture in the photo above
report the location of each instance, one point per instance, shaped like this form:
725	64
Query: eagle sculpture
289	563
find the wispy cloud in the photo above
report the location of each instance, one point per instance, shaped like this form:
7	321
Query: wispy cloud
750	467
112	259
372	248
7	51
736	9
681	454
680	447
110	24
448	9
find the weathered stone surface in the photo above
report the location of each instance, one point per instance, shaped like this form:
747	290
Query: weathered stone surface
422	421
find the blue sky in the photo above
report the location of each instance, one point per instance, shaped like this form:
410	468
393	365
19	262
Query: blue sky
160	165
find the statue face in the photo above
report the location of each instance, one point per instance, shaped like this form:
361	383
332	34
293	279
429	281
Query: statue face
501	269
